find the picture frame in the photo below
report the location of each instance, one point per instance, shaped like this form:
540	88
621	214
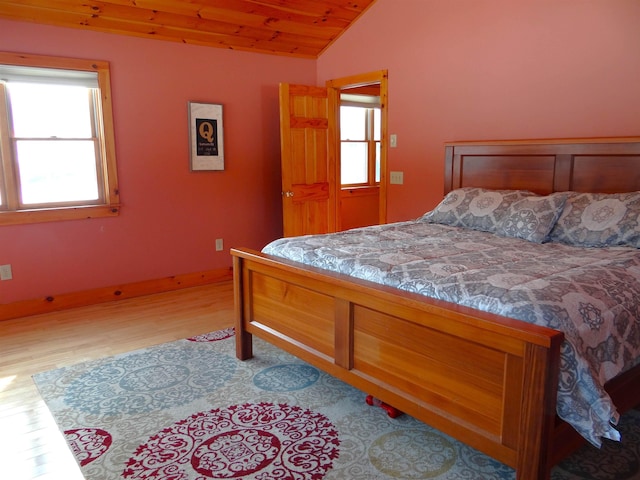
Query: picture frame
206	136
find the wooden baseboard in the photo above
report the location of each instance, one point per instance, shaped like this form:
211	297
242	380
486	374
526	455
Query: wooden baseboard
52	303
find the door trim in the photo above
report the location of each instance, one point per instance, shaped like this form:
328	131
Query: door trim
334	86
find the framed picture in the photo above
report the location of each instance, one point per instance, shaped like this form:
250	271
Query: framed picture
206	136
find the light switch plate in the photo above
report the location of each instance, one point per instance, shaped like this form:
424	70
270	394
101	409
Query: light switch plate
5	272
396	178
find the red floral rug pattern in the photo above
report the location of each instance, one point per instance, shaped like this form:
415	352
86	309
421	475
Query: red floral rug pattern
214	336
279	441
88	444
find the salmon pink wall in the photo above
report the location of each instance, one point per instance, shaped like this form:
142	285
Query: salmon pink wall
170	217
492	69
458	70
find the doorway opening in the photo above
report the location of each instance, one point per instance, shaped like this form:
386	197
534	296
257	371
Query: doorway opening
361	149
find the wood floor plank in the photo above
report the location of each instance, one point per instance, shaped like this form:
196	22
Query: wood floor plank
31	446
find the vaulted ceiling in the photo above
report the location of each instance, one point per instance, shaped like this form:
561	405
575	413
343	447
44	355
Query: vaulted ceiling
301	28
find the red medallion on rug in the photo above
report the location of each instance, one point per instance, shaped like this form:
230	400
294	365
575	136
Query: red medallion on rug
214	336
257	440
88	444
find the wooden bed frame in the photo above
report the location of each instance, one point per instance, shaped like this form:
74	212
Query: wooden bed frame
487	380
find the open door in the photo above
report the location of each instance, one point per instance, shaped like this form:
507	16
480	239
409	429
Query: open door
307	135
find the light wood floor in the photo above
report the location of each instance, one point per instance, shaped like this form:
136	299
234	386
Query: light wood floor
31	445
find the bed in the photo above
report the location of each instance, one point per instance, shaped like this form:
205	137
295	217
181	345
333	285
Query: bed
497	376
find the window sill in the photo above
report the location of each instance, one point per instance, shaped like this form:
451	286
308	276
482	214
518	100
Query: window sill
360	190
58	214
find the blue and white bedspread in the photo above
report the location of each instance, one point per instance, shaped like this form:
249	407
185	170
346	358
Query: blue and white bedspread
591	294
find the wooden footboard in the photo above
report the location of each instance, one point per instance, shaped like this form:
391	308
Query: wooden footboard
489	381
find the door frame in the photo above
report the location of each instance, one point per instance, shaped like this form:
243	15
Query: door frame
334	86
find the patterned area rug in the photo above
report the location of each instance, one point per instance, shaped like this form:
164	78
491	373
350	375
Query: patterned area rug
190	410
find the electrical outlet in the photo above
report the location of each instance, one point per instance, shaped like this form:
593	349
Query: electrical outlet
219	245
396	178
5	272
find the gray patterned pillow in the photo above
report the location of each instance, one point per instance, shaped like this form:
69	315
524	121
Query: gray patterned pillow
474	208
532	218
600	220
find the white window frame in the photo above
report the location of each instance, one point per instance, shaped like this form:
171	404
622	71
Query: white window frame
109	205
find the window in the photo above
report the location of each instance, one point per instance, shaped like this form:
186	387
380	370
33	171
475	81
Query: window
57	149
359	145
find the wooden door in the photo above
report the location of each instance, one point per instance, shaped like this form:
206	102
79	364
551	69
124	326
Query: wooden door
307	136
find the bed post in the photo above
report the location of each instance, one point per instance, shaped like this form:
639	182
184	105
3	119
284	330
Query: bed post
448	169
244	340
537	420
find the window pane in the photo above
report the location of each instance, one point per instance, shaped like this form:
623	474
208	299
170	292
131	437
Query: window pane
57	171
352	123
45	111
353	163
376	124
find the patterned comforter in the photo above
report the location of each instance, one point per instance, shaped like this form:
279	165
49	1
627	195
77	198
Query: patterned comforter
591	294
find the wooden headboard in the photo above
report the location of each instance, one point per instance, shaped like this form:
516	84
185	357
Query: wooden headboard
601	165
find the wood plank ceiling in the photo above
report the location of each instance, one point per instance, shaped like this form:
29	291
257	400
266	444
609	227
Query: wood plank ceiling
300	28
